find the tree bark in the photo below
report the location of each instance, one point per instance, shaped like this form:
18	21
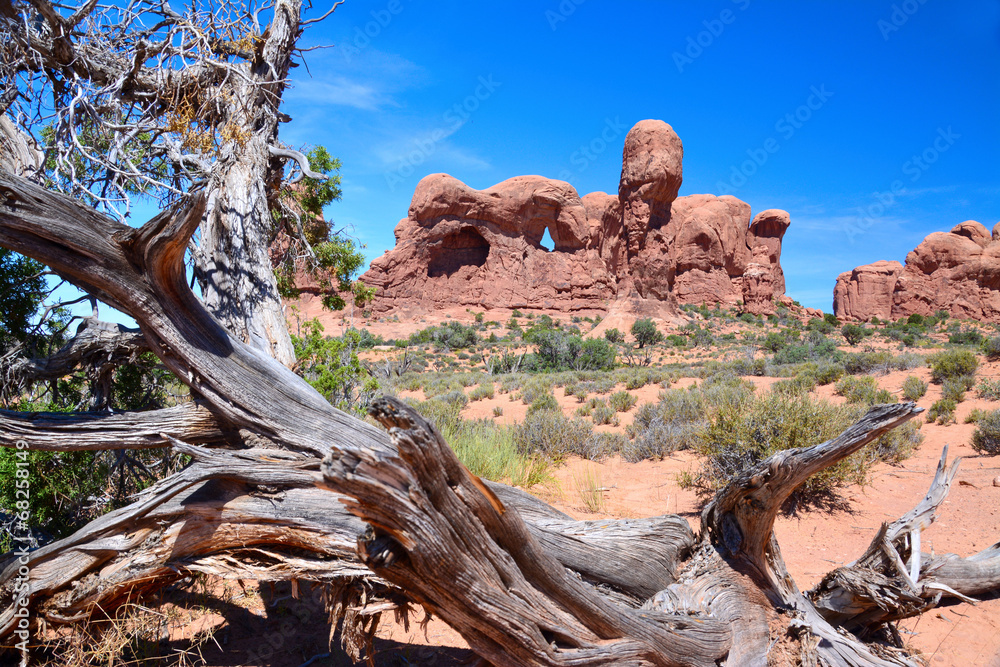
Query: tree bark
232	266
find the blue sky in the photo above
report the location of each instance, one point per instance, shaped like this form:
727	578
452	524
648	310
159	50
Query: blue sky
872	123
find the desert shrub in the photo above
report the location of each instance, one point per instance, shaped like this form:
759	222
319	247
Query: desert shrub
827	373
614	336
800	384
482	391
450	336
989	389
673	423
543	402
952	364
549	432
863	389
986	437
604	414
976	415
914	388
741	436
954	388
534	388
853	334
636	378
497	411
467	379
821	326
943	411
491	452
622	401
991	348
966	337
645	332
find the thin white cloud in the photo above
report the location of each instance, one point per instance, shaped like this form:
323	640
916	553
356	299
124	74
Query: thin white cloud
338	91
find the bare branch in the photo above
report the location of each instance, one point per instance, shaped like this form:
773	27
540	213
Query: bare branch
302	161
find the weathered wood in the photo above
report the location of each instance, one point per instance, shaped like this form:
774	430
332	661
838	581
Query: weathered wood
69	432
894	580
451	544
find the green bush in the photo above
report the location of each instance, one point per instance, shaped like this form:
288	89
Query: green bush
914	388
986	437
614	336
741	435
952	364
550	433
853	334
943	411
991	348
966	337
645	332
622	401
864	390
604	414
976	415
543	402
954	389
989	389
534	388
486	390
492	452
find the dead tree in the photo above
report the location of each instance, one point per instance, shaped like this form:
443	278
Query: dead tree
333	497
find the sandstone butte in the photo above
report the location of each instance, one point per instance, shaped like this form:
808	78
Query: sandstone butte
643	251
956	271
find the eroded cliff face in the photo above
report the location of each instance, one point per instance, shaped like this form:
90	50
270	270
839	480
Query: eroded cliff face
646	248
956	271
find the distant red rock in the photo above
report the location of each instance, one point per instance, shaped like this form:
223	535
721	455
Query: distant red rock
956	271
645	249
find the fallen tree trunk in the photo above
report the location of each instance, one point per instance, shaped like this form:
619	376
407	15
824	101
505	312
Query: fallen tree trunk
523	584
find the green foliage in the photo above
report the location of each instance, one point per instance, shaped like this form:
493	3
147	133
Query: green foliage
989	389
863	389
543	402
943	411
335	259
557	350
604	414
831	319
952	364
614	336
821	326
332	367
622	401
645	332
482	391
743	433
57	488
914	388
21	293
815	347
449	336
966	337
853	334
986	437
550	433
991	348
954	388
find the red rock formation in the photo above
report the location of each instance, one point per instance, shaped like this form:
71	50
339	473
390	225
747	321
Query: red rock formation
645	250
956	271
866	292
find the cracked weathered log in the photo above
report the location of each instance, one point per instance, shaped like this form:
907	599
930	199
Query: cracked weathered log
893	579
85	431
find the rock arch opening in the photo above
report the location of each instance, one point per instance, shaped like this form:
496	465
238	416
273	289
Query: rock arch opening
457	250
